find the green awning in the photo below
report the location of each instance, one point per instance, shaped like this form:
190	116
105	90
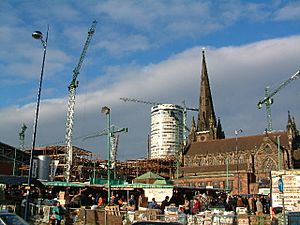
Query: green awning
63	184
149	175
139	185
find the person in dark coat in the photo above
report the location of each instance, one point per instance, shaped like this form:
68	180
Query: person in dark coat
164	203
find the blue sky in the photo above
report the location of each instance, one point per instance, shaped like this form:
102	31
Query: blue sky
149	50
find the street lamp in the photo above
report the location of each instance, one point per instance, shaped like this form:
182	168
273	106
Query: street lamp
237	157
36	35
106	111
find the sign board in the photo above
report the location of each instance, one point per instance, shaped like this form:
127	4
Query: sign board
158	193
264	191
288	188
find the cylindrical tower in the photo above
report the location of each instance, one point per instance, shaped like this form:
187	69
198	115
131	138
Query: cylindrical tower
43	167
166	130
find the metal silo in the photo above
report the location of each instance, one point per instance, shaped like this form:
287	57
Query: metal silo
43	167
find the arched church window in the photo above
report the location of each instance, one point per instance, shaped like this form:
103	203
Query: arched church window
201	161
214	161
268	149
268	165
189	163
241	159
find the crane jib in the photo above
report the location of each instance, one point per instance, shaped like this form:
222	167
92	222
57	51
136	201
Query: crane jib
268	100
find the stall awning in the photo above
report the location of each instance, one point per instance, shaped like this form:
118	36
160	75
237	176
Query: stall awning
63	184
139	185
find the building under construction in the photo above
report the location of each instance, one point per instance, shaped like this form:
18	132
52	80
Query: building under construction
50	164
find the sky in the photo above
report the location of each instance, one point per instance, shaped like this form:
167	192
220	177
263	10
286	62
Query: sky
147	50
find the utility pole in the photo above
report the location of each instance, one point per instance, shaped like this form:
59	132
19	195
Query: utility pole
237	159
227	173
113	143
279	156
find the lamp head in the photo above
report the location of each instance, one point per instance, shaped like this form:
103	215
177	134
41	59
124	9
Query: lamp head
37	35
105	110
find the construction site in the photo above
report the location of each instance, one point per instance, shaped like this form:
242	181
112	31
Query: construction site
86	167
68	163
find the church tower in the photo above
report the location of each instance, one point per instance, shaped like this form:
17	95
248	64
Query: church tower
208	127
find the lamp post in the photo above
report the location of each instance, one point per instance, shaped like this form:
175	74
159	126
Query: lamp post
237	158
279	157
227	173
36	35
106	111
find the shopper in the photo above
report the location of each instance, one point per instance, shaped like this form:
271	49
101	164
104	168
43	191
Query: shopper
58	212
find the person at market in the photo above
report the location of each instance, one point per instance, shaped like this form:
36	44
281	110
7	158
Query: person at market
23	205
196	206
267	204
116	199
90	200
259	207
251	205
121	201
132	203
76	201
240	202
186	206
153	204
58	212
101	201
164	203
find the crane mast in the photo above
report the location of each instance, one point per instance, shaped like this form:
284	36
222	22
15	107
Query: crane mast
71	104
268	100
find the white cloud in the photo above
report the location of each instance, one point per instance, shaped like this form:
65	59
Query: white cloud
238	76
289	12
168	70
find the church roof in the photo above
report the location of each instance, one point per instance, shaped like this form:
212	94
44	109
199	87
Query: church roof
229	144
213	168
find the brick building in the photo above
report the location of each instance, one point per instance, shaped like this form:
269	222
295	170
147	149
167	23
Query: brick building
241	164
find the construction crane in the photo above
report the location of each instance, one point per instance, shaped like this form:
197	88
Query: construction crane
157	103
22	140
268	100
22	136
70	116
114	143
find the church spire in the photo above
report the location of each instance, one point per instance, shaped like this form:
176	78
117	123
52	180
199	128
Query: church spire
206	116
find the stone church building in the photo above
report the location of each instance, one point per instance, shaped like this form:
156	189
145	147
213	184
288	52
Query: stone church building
241	164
